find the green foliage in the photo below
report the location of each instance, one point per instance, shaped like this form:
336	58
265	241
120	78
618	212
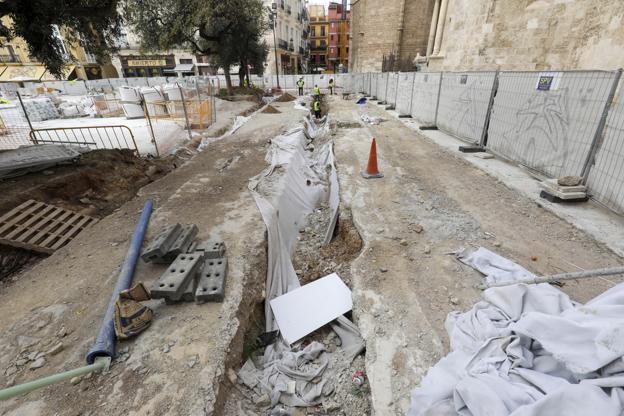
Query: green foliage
228	31
94	23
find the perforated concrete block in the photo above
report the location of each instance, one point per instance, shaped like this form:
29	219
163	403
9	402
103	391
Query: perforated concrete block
212	249
211	284
184	240
159	247
175	281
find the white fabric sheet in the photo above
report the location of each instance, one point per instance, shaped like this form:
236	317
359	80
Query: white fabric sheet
528	350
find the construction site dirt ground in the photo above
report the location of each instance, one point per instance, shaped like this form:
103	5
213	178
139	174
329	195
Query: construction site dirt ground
404	280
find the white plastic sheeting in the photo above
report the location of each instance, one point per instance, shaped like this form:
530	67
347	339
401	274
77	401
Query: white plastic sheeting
528	350
290	376
497	269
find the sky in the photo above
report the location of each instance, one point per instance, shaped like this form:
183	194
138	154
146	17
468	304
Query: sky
326	3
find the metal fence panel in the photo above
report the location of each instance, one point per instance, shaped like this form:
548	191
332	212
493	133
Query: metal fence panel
425	96
547	121
404	92
606	177
464	100
391	95
375	85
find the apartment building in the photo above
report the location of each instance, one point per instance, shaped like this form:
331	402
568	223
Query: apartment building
339	33
288	39
319	38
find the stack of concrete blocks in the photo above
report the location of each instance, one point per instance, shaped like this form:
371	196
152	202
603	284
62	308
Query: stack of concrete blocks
567	189
197	271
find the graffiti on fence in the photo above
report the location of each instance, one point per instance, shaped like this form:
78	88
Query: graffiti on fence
540	137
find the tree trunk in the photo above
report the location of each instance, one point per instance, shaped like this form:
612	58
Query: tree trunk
241	74
228	80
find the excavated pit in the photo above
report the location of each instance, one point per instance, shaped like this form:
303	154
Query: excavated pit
312	260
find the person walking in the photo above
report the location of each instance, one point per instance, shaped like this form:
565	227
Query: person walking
316	92
331	86
317	108
300	85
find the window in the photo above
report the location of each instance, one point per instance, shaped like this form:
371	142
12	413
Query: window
313	31
61	42
322	59
331	37
186	61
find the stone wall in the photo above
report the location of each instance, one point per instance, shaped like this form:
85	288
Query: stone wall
532	35
376	27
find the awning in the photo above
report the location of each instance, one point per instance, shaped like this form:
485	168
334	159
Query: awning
67	71
23	73
184	68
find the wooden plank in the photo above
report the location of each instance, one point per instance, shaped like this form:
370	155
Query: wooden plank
72	233
41	227
13	221
61	230
48	229
31	223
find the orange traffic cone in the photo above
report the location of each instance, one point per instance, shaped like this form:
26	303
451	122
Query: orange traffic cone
372	171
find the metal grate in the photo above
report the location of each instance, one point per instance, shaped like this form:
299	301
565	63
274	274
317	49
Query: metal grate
41	227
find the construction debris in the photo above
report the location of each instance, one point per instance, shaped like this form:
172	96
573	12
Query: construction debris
172	241
554	191
27	159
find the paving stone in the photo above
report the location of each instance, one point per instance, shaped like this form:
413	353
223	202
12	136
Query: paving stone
174	282
159	247
212	249
211	285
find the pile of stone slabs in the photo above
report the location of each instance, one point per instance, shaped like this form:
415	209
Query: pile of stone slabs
197	271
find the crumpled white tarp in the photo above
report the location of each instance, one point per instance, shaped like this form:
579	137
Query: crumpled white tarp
528	350
495	268
294	378
370	119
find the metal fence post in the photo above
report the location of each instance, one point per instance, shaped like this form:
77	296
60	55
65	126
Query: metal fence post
412	93
149	122
31	133
385	101
396	92
188	125
486	122
598	135
435	119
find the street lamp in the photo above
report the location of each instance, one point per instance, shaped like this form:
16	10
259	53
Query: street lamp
273	20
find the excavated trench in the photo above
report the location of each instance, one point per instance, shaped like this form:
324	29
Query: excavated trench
312	260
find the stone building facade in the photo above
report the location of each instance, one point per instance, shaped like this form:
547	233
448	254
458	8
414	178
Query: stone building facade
398	28
527	35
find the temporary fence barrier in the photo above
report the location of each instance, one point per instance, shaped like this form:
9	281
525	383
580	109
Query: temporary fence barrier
405	86
548	121
463	106
425	93
605	178
392	89
97	137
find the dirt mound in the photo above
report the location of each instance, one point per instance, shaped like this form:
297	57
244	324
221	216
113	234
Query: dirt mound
284	98
99	182
271	110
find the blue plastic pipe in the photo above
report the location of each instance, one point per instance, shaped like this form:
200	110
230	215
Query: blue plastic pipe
105	343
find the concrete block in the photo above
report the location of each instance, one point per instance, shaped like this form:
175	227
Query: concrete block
557	197
184	240
551	184
405	116
211	284
212	249
390	107
471	149
484	155
428	127
159	247
174	282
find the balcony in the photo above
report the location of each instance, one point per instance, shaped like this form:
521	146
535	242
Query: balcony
10	59
291	46
288	9
282	44
301	51
282	4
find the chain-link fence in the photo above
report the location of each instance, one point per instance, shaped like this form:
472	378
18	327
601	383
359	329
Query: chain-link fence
149	119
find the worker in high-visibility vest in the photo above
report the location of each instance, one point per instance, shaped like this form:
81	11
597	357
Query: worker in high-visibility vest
300	85
316	92
317	108
245	83
331	86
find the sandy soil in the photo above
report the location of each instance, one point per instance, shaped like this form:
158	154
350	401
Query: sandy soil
405	281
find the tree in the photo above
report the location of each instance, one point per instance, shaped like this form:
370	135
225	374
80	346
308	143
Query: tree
229	32
96	24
